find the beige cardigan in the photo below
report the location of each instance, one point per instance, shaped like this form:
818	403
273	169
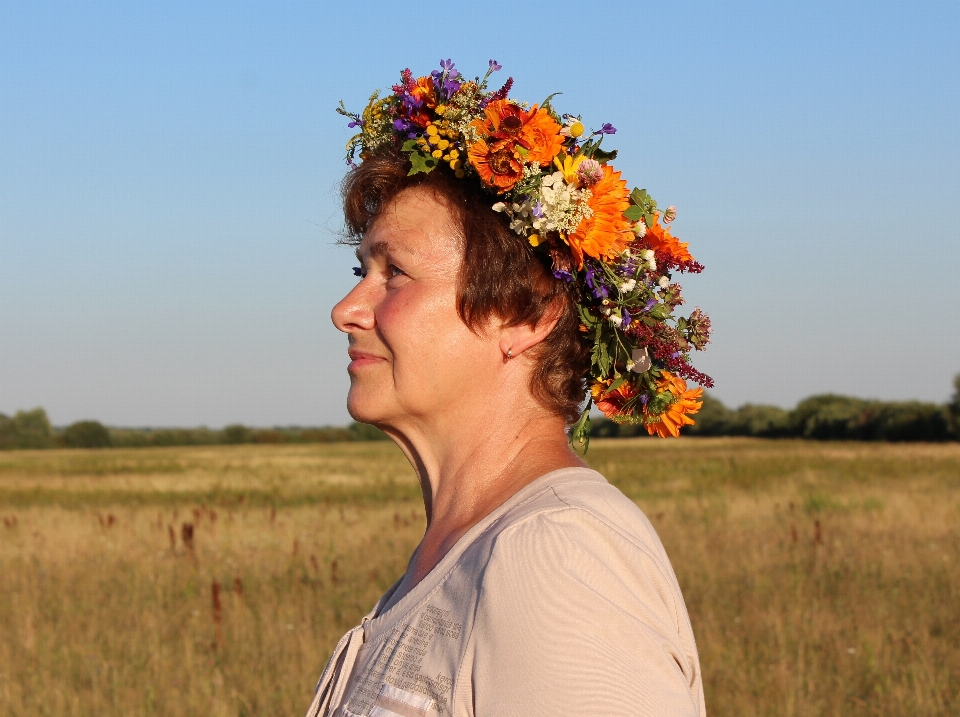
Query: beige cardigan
560	602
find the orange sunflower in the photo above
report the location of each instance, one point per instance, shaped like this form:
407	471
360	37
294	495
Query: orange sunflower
496	163
612	402
607	232
509	131
686	402
659	238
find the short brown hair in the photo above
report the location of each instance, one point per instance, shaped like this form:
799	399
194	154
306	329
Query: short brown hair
500	275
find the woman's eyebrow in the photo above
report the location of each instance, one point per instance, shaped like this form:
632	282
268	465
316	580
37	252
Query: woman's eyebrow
381	248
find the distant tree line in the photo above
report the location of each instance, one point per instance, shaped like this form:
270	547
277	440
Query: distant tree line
32	429
825	417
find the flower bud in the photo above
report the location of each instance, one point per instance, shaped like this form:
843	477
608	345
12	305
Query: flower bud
670	214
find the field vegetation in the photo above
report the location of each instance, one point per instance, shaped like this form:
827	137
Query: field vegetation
822	578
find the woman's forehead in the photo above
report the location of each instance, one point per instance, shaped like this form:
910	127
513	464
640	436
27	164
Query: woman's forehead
414	222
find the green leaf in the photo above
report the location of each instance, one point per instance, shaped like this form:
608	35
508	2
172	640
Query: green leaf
546	103
618	383
588	147
586	316
421	163
410	145
639	196
603	156
633	213
580	431
660	311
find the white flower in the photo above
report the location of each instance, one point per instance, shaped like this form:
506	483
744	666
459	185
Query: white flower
628	286
499	207
630	365
615	318
664	282
562	206
519	226
572	127
640	229
652	264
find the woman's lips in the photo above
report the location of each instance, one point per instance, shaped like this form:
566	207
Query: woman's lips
359	359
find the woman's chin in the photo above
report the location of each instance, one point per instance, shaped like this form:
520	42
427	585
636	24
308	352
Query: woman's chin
365	406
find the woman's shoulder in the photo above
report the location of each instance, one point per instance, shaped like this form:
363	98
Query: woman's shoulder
575	527
578	506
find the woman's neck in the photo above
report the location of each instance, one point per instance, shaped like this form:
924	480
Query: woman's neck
469	465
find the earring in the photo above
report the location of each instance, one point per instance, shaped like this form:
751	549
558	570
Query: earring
510	353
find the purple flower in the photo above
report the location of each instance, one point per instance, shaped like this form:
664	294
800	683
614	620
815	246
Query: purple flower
494	66
355	123
651	302
537	210
450	87
563	274
626	319
598	289
401	125
606	129
446	78
644	399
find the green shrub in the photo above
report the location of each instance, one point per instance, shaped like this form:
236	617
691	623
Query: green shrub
32	429
913	421
236	433
953	409
713	419
761	421
828	417
87	434
8	433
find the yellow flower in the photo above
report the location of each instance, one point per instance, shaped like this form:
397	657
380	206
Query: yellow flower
534	239
685	403
569	167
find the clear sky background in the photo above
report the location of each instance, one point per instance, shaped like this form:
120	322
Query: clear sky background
169	175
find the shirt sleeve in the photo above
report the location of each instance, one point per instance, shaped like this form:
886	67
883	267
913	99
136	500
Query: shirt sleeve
575	619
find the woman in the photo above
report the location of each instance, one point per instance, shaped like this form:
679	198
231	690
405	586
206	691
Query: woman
538	588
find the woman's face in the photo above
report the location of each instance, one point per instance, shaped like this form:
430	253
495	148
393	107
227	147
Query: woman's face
412	357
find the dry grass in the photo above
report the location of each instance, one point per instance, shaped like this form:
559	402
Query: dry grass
101	613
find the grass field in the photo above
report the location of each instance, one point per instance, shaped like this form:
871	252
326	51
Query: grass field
821	579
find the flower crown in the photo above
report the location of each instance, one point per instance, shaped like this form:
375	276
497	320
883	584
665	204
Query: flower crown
559	191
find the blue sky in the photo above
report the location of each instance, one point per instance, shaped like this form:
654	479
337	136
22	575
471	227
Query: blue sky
169	173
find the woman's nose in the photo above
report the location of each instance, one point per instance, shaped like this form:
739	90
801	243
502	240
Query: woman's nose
355	310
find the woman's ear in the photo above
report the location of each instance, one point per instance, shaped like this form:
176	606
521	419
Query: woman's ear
514	340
